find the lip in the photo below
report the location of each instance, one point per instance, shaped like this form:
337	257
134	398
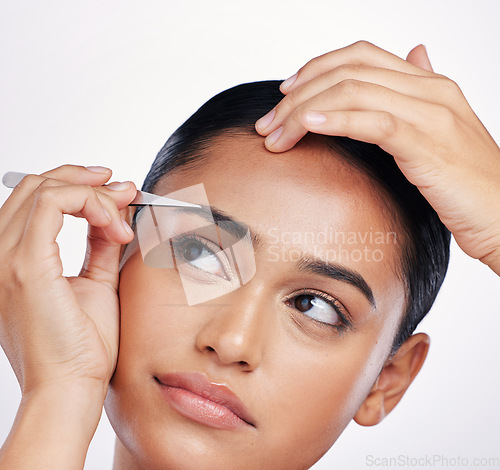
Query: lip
195	397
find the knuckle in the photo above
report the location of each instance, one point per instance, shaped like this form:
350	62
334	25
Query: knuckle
45	183
88	193
287	104
72	167
345	121
67	168
291	100
363	46
346	71
446	117
350	69
91	196
43	195
106	200
350	88
14	270
48	193
387	125
341	121
31	180
313	65
63	172
296	117
28	182
449	87
86	188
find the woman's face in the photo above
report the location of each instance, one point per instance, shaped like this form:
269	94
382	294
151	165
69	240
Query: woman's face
279	342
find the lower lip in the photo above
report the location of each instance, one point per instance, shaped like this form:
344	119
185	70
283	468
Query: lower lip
200	409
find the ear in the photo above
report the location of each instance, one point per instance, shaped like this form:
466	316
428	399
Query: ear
393	381
418	56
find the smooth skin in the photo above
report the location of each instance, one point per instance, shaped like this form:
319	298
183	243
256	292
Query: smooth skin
441	147
302	381
416	115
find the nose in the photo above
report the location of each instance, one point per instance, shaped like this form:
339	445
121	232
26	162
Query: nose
239	331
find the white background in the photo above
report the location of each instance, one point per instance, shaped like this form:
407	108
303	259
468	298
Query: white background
106	82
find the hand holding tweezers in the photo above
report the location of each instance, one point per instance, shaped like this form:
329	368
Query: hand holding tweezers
12	178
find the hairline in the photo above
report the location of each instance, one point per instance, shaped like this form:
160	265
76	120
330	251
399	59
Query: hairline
405	248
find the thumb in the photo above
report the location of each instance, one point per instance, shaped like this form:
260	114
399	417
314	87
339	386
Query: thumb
101	258
418	56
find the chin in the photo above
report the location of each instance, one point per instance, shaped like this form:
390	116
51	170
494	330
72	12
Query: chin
169	441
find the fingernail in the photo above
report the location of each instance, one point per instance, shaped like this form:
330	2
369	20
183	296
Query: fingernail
288	82
264	121
274	136
106	213
315	119
127	227
98	169
425	49
116	186
429	65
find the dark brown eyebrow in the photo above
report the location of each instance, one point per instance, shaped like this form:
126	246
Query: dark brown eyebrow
306	264
339	273
223	219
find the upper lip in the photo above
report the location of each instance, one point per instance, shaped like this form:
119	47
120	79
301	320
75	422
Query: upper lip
199	384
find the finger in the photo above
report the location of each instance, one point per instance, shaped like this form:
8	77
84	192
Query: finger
410	146
118	230
427	88
418	56
122	193
361	52
101	258
46	217
376	127
14	227
116	197
77	174
93	176
349	95
112	198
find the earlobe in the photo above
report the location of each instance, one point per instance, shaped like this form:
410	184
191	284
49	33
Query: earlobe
393	381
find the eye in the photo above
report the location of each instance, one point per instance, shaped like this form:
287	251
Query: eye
198	254
321	308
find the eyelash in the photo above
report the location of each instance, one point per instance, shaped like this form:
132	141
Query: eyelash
346	322
189	237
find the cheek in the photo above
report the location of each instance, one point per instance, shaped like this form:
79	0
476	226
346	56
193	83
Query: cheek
306	392
152	310
325	390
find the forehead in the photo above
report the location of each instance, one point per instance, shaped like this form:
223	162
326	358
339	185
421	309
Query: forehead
306	199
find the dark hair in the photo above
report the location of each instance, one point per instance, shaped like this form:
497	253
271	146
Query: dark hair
425	252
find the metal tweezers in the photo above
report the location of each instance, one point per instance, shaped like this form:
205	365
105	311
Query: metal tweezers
12	178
